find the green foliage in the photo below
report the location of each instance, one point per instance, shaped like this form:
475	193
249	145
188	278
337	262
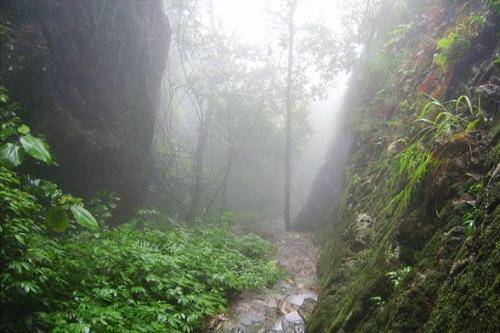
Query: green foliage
154	219
101	206
15	142
456	307
35	147
398	275
397	34
15	138
447	118
11	155
83	217
450	49
123	280
409	169
132	279
442	122
427	158
494	4
57	219
456	43
476	189
151	275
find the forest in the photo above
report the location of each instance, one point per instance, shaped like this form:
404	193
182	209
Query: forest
237	166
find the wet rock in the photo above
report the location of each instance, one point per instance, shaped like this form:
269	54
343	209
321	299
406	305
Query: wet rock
275	309
251	317
286	306
457	230
306	309
293	323
491	89
278	327
360	232
458	266
238	329
271	306
283	286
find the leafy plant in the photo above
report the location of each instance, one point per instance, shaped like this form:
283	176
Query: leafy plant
411	167
150	275
15	138
398	275
102	204
450	49
16	141
456	43
494	4
451	121
443	119
476	189
124	280
397	34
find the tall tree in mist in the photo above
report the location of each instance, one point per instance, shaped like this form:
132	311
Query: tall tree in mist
292	4
222	116
315	55
225	109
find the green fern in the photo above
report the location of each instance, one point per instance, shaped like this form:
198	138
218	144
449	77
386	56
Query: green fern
410	167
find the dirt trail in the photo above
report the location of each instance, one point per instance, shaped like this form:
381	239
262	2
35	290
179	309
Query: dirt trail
282	307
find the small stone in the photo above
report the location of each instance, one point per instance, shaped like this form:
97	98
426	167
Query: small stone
293	317
293	323
277	327
307	308
251	317
239	329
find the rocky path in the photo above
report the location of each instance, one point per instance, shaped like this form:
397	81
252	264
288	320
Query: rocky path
282	307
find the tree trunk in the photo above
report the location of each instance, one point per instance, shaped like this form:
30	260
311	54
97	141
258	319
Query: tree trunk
222	186
289	105
199	165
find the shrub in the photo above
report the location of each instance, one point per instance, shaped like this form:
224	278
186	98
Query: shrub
133	279
149	275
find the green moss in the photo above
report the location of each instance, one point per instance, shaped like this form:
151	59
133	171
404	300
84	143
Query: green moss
468	301
413	178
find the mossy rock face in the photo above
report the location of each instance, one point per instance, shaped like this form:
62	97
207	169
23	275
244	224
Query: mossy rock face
430	264
468	300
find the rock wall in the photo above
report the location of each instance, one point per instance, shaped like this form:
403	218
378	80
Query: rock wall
327	186
413	240
87	75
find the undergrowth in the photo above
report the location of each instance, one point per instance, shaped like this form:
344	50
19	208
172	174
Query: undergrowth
439	127
417	184
132	279
454	45
153	274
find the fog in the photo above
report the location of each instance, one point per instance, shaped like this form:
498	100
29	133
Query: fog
324	118
249	166
229	59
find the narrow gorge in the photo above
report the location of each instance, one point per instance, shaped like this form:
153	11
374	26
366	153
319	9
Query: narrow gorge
236	166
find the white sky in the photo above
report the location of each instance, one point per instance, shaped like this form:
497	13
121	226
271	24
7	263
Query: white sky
250	19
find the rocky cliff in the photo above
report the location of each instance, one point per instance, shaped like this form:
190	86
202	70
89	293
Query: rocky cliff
414	220
88	76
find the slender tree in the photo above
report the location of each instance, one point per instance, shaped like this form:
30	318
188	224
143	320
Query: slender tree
292	5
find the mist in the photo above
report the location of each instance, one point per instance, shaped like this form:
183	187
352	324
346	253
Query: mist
325	117
252	179
249	166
